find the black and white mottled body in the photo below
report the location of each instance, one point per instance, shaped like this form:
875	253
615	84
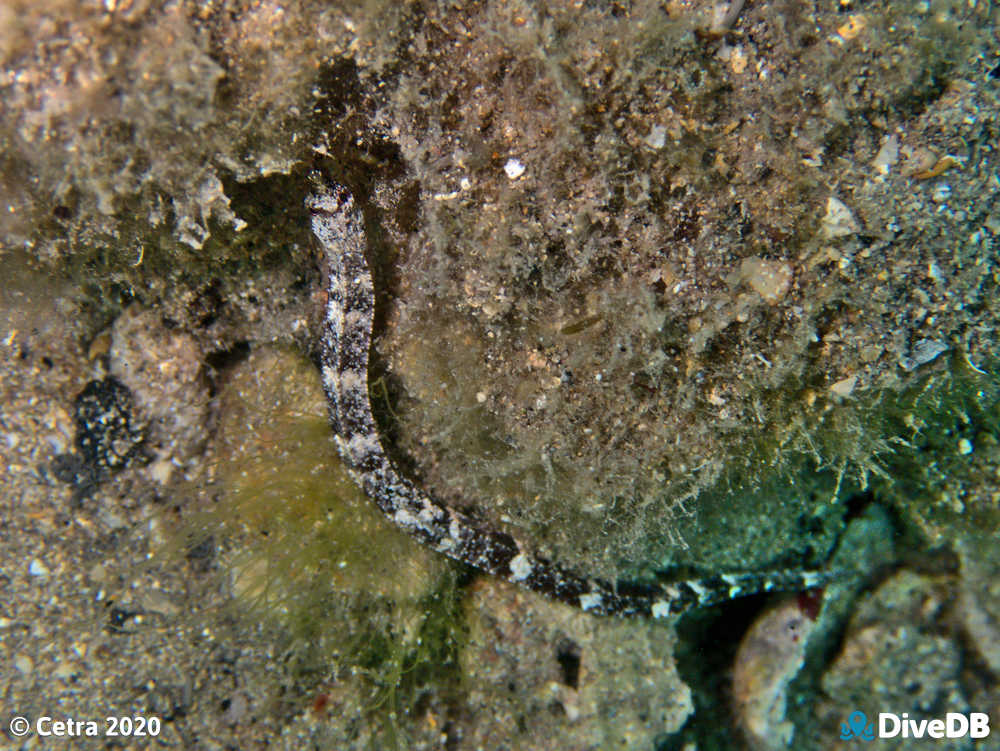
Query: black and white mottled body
338	225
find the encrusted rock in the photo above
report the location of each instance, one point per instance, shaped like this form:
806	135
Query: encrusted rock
163	369
537	670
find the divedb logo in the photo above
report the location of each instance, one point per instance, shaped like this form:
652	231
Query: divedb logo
954	725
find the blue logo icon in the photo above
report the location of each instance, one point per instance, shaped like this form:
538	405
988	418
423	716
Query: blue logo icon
857	726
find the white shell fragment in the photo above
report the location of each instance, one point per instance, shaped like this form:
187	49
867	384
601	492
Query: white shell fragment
923	352
887	155
514	168
838	221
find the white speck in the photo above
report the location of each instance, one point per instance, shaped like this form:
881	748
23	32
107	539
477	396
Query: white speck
941	193
810	579
698	589
657	137
661	609
844	386
887	155
37	568
23	664
481	396
160	471
838	221
520	567
590	601
514	168
965	446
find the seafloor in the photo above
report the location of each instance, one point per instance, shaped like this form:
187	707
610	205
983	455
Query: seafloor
665	288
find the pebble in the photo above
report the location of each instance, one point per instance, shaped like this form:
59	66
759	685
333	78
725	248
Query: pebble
514	168
838	220
23	664
37	568
657	137
769	279
941	193
845	386
923	352
887	155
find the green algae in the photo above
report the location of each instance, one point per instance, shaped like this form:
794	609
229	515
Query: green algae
307	555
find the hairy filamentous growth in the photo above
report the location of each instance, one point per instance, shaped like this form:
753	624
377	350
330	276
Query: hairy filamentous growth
338	225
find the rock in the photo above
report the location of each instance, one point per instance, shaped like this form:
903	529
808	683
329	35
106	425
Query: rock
163	369
770	656
769	279
898	655
838	220
979	597
538	670
24	664
109	436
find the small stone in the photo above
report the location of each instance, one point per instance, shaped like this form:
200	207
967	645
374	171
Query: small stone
236	709
923	352
894	653
887	155
158	601
871	353
514	168
37	568
838	220
965	447
161	470
769	279
23	664
657	137
844	386
738	60
941	193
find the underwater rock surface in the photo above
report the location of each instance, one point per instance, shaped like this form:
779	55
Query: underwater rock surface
658	285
